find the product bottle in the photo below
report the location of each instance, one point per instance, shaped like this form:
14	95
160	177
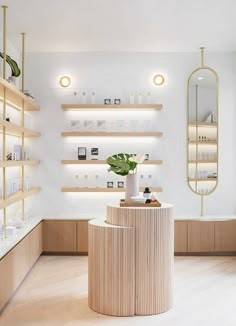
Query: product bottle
140	98
93	98
84	100
147	193
131	98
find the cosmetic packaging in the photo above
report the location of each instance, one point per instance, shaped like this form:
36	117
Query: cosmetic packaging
17	151
93	98
81	153
147	193
131	98
84	98
140	98
94	153
148	98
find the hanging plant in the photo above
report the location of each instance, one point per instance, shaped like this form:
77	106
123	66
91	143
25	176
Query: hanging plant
15	70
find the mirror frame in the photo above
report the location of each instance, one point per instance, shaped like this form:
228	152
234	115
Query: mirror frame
217	128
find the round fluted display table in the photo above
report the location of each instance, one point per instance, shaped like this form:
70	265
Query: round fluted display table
131	261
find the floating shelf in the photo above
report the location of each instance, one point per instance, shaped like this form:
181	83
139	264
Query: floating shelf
202	124
103	162
15	130
111	134
202	161
203	143
81	107
19	195
99	189
16	98
202	179
19	163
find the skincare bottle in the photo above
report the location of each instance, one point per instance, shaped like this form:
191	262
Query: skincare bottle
94	153
147	193
148	97
140	98
81	153
93	98
131	98
84	100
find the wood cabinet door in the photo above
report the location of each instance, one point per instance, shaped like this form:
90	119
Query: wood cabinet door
35	241
201	236
225	236
82	236
181	236
59	236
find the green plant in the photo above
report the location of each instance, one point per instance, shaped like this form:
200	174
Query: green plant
15	70
123	163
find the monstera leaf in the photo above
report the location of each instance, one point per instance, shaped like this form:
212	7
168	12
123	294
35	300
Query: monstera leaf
121	164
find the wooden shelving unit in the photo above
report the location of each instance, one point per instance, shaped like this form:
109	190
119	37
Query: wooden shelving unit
202	179
15	98
110	134
87	107
202	124
81	162
17	196
110	108
103	189
200	143
19	163
202	161
11	97
15	130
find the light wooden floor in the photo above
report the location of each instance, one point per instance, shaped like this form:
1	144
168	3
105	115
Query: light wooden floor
55	294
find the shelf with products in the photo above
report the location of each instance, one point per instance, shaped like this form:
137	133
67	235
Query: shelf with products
77	107
15	98
202	161
17	196
203	124
202	179
193	142
80	162
103	189
19	163
16	130
110	134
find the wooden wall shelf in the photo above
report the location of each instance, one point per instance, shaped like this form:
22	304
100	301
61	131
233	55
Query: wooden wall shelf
202	143
15	130
203	124
202	179
110	134
78	107
81	162
19	163
15	98
103	189
202	161
19	195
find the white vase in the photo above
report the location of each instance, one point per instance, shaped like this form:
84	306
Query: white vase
131	186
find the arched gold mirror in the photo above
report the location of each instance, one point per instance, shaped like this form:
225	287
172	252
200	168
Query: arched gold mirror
202	130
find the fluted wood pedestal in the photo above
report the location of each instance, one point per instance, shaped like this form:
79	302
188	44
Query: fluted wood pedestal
131	261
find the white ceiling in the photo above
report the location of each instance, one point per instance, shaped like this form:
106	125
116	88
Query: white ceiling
123	25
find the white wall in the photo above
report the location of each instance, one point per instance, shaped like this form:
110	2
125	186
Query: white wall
112	74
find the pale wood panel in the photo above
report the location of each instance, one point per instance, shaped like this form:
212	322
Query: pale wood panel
111	289
16	130
111	134
19	163
201	236
75	107
82	236
15	97
17	196
59	236
17	263
154	247
97	189
181	236
225	236
103	162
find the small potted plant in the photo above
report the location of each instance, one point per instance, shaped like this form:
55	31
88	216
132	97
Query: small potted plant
126	165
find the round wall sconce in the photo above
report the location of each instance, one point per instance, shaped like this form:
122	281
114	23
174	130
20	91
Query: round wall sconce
158	80
65	81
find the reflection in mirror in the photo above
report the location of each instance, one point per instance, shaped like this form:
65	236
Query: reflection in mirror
202	131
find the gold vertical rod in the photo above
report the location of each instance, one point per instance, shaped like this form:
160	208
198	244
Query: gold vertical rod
202	206
23	121
196	153
202	56
4	118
